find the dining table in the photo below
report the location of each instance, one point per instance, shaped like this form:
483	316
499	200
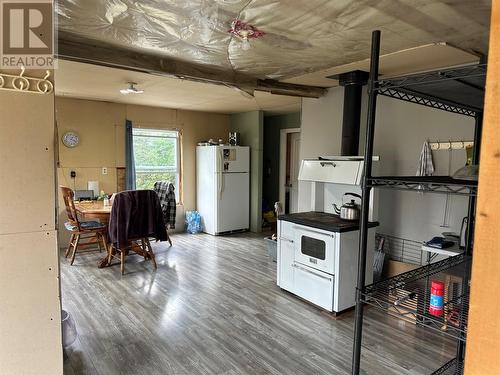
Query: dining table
92	210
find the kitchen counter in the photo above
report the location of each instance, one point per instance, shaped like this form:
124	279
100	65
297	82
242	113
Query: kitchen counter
324	221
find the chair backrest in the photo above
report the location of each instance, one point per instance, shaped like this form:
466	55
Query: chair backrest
68	197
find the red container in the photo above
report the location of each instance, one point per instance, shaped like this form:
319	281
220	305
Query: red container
436	305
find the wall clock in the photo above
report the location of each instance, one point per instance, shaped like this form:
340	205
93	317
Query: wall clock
71	139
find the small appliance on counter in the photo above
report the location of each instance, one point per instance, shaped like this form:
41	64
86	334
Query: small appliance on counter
84	195
234	138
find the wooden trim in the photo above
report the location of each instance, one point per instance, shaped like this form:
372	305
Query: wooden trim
181	168
483	331
282	171
76	48
160	126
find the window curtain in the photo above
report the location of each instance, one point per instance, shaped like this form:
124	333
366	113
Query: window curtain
129	156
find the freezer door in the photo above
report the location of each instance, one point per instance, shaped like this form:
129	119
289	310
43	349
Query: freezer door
234	202
233	159
207	158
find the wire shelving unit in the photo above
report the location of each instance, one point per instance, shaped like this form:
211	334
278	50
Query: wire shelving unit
451	367
405	296
458	90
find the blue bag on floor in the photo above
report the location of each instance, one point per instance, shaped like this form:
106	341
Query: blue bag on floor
193	222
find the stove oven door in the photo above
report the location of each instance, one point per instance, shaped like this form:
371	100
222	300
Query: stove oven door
315	248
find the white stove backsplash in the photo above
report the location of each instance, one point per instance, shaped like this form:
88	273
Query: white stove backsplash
333	193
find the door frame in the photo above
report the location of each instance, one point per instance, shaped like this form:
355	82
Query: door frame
282	172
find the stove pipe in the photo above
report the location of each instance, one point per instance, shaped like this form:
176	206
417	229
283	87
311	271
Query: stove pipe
353	85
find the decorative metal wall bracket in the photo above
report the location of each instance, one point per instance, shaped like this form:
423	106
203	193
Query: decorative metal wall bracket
22	83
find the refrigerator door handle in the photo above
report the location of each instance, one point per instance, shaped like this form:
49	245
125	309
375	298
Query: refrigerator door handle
221	185
219	172
218	160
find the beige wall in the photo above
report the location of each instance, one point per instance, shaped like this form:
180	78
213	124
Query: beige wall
101	126
250	125
30	316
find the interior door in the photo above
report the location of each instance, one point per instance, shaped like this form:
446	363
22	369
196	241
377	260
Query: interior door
294	171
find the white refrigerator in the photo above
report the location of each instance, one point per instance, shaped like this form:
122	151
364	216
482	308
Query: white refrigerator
223	188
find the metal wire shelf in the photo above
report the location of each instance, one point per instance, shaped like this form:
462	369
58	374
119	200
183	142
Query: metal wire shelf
428	101
438	89
452	367
431	184
401	249
406	296
458	73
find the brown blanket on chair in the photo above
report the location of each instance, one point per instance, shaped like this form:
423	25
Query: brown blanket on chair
136	214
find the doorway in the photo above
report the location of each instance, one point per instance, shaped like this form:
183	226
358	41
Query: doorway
289	168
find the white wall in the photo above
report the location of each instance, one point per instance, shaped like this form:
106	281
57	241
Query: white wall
321	134
321	127
401	128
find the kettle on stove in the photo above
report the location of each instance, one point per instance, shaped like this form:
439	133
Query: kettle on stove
348	211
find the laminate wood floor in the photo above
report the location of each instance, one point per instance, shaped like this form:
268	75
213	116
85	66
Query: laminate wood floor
213	307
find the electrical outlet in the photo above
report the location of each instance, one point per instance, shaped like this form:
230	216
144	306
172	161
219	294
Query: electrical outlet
104	170
72	174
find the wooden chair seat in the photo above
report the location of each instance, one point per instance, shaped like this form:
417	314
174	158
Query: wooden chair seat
84	226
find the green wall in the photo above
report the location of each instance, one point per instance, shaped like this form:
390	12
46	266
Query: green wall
250	125
271	155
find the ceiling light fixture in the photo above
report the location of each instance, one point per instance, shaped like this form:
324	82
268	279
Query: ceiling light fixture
131	89
245	31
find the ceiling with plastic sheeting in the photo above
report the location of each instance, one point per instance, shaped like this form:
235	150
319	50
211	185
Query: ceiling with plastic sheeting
300	36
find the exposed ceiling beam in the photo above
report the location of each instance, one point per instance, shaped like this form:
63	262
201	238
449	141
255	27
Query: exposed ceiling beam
76	48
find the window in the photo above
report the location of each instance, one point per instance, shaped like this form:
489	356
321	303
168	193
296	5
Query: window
156	157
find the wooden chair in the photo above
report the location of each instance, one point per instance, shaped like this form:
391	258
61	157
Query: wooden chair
92	231
136	217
